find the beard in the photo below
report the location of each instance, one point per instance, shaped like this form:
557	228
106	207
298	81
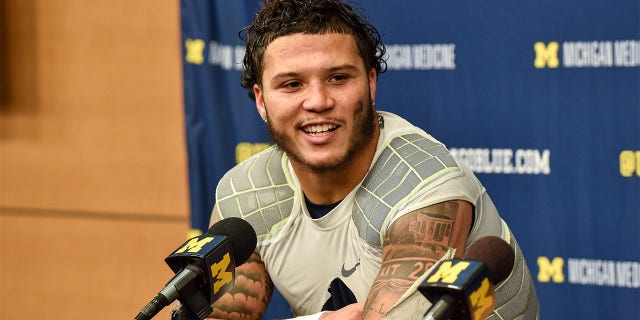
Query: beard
364	119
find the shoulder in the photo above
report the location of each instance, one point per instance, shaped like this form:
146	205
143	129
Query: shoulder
258	190
407	161
253	170
413	149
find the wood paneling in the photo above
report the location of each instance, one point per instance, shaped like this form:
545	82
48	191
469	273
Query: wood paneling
93	172
103	129
56	267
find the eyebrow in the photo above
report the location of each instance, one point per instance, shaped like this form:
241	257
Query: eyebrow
283	75
345	66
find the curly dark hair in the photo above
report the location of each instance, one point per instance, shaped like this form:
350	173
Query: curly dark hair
284	17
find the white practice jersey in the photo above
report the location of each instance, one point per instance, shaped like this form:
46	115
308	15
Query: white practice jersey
303	256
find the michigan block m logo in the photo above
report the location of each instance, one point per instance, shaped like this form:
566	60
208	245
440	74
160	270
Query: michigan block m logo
220	273
194	245
482	300
550	270
195	51
546	55
448	272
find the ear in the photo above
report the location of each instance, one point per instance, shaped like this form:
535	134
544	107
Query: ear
373	82
259	101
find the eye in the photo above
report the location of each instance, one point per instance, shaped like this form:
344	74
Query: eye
291	85
338	78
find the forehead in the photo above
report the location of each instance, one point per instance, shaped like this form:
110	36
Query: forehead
305	50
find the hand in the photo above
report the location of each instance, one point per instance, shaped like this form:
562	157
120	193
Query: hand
350	312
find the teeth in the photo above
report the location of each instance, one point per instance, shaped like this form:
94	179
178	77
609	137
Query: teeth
319	129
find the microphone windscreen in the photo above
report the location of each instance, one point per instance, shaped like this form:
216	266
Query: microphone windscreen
241	235
496	254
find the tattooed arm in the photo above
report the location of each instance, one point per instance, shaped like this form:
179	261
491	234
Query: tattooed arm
412	245
249	297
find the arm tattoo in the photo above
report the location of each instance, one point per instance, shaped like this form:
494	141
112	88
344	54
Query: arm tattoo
250	296
411	246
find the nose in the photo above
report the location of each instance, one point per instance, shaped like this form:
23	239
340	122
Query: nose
318	98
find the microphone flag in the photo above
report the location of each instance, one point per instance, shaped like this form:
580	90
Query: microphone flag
467	281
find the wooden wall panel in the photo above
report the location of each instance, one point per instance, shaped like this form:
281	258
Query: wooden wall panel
93	172
65	267
98	123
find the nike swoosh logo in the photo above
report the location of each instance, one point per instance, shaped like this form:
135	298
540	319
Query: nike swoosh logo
346	273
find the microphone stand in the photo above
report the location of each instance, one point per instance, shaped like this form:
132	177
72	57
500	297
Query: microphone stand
182	313
194	304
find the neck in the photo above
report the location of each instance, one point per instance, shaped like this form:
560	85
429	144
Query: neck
333	186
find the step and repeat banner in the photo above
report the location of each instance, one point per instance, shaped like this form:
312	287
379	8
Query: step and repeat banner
541	100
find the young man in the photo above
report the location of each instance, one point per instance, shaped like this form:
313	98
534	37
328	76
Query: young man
351	206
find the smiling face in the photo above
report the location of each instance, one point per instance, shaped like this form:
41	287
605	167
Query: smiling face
317	96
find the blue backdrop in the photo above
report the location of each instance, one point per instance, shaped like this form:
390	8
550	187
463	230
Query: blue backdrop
541	99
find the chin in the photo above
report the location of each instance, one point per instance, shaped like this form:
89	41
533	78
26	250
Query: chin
324	164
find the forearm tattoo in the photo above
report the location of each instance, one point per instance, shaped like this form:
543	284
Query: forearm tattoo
249	297
411	246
